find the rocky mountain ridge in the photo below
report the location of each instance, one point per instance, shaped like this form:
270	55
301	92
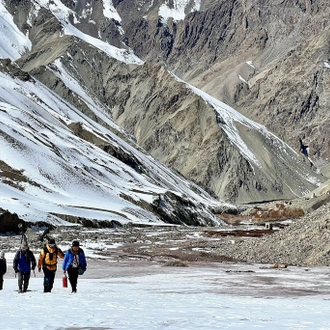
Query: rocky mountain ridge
74	52
267	59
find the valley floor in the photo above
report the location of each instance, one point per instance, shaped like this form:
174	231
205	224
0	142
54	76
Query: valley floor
139	295
180	278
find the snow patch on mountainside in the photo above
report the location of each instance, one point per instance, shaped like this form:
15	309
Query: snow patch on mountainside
62	13
176	9
99	109
67	175
110	11
228	119
230	116
13	43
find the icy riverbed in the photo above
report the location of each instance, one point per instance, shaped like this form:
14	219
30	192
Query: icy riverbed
135	295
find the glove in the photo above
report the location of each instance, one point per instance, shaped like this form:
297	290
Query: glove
16	270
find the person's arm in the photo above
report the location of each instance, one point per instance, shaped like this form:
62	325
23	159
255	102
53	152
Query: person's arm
83	261
15	262
41	259
33	260
65	261
60	253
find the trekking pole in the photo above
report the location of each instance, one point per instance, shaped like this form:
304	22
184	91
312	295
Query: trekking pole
21	231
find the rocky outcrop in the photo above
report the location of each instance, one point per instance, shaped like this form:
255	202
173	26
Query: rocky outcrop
88	16
268	59
9	222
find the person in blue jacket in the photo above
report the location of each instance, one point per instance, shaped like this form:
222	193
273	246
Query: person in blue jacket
23	262
75	264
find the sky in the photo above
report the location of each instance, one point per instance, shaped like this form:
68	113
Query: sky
111	295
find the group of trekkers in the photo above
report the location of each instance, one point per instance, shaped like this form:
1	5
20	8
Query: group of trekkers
74	264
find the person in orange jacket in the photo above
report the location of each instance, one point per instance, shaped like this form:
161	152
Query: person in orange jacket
48	262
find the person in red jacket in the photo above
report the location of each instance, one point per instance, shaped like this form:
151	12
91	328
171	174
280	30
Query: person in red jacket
48	262
3	268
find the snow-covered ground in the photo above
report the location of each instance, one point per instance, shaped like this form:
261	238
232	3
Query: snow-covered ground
148	296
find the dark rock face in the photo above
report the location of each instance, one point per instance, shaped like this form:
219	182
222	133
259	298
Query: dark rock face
20	10
151	40
9	223
91	21
286	42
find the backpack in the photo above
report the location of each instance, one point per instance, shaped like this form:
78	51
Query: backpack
51	256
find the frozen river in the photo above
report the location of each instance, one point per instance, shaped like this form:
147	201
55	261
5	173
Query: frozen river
138	296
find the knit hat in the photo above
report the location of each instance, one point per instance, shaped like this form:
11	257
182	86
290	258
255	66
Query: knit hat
75	243
2	254
51	242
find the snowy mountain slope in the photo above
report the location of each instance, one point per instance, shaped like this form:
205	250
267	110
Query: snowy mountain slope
100	80
232	120
270	160
55	182
177	9
63	175
13	42
76	135
62	13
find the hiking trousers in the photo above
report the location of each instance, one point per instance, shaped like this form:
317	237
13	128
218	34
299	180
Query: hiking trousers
49	277
73	277
23	280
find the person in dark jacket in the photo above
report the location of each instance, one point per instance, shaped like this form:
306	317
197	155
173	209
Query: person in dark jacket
75	264
3	268
23	262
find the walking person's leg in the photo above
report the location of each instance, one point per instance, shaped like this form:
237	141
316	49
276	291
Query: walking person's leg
46	280
51	279
73	278
20	281
1	281
26	279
